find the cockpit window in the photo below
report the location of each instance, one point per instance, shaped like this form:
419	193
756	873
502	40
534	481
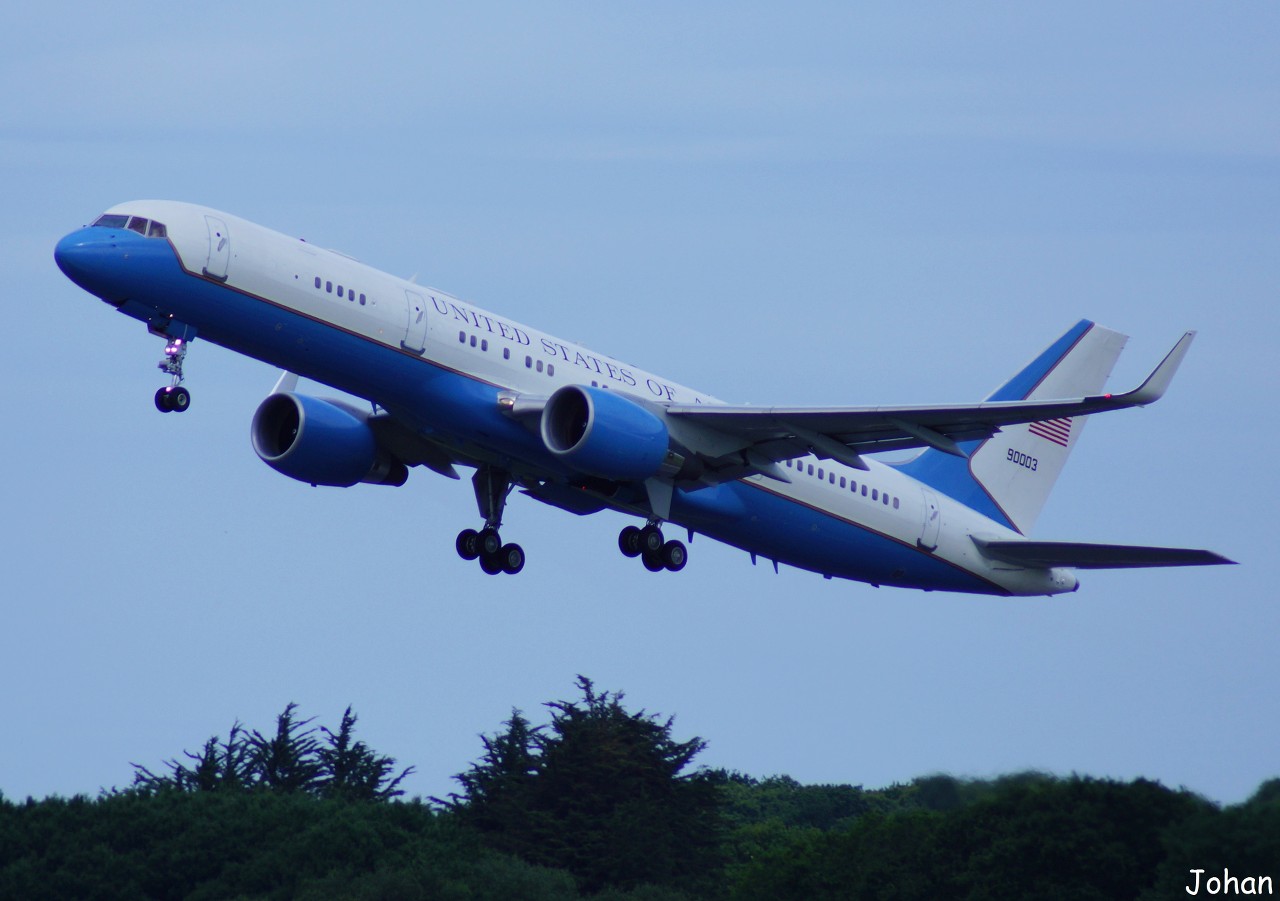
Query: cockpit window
147	227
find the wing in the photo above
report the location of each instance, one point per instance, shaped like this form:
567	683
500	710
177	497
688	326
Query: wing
765	435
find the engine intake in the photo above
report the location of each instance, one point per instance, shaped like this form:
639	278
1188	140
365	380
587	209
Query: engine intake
604	434
321	442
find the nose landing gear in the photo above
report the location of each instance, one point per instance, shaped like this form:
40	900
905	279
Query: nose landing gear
173	398
655	553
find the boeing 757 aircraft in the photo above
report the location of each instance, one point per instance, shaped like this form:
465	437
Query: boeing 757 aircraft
449	385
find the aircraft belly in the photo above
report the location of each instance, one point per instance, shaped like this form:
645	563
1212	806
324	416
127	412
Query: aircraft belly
779	528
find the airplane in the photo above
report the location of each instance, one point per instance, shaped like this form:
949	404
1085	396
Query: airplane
446	384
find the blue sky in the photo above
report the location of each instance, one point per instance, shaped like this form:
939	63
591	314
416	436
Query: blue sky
829	204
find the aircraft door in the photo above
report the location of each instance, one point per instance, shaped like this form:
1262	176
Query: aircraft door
415	335
219	249
932	523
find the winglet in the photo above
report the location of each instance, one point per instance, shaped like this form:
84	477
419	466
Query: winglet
1158	382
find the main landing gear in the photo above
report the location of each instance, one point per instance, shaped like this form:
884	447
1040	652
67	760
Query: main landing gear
655	553
174	398
492	486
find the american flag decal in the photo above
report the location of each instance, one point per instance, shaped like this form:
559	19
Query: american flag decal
1056	430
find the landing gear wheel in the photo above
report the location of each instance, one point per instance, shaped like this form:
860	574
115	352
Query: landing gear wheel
674	556
491	564
179	399
512	558
629	541
651	539
652	561
489	542
468	544
174	399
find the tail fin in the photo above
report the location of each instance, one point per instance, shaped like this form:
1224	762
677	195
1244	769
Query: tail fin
1009	476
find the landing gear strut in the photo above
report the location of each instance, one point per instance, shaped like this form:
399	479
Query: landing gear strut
174	398
492	486
655	553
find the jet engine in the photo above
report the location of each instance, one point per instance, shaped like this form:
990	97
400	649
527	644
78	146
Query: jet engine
605	434
321	442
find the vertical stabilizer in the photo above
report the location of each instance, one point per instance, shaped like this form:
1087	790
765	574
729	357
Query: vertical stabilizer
1009	476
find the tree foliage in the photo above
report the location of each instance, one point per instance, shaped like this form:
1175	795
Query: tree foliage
599	791
600	802
293	759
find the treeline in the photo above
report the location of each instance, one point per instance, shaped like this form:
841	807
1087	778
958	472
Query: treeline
602	802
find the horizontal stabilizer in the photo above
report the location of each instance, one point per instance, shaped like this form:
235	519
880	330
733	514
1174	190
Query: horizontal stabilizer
1081	555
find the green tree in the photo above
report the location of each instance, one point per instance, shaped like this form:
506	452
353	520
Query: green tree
1243	838
600	791
499	789
351	771
293	759
218	766
287	761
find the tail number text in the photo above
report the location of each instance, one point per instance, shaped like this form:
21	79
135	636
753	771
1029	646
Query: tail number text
1023	460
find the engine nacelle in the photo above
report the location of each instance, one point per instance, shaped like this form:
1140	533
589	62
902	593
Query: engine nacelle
604	434
321	442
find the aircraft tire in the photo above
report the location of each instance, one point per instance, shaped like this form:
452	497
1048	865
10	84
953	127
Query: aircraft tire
674	556
652	561
629	541
179	399
468	544
162	401
512	557
651	539
490	542
491	564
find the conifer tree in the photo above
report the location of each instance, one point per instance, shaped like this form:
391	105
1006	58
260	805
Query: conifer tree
600	792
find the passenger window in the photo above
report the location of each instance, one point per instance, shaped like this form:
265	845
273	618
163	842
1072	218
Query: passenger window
361	300
484	344
528	362
810	469
539	365
473	340
339	290
821	475
885	499
842	481
462	337
831	477
551	369
864	489
875	494
138	224
157	230
506	353
895	503
317	281
328	286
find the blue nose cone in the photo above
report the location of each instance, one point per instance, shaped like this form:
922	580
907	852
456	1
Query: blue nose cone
81	254
100	260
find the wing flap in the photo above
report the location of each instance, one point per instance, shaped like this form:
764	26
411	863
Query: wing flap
1083	555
